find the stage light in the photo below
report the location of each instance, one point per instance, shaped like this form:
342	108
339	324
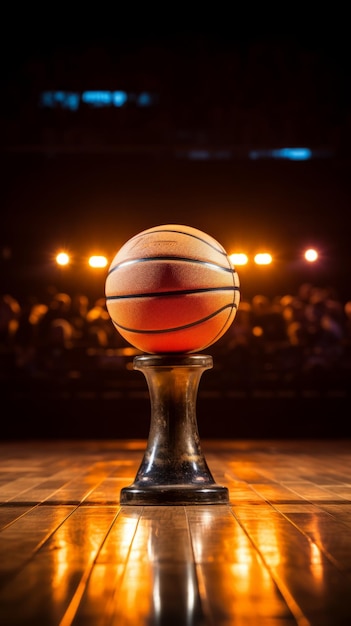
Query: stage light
62	258
97	261
311	255
263	258
239	258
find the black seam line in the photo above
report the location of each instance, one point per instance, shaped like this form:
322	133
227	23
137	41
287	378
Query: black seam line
171	258
169	330
224	325
180	232
167	294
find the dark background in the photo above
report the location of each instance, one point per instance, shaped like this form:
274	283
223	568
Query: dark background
89	180
92	178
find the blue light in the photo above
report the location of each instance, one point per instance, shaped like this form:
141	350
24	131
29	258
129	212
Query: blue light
93	98
293	154
71	101
59	96
47	99
119	98
97	98
144	100
66	100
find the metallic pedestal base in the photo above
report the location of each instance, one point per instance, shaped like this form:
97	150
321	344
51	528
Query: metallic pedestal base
174	469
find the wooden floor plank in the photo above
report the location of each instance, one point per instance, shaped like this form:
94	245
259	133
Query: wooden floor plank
326	534
8	514
232	571
47	581
279	554
299	567
22	539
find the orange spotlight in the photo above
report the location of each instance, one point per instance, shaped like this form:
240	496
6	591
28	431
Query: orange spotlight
62	258
263	258
239	259
97	261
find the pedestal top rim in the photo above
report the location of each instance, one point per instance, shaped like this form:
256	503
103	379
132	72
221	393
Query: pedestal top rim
173	360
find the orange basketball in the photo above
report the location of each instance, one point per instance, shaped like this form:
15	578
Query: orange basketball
172	288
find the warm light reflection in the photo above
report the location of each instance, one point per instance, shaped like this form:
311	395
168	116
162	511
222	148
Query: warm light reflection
268	542
316	558
191	589
243	563
131	562
61	558
78	540
137	590
206	521
138	579
244	579
316	562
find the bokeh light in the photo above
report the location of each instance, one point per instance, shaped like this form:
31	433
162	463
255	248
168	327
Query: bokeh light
263	258
62	258
311	255
98	261
239	258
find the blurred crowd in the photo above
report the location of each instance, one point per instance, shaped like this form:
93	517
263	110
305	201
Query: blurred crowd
288	340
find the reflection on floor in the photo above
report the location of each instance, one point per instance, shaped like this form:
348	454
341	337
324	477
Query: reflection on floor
278	553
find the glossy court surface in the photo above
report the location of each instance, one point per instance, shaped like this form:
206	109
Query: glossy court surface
278	554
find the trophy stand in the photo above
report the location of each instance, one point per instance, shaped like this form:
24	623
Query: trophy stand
174	470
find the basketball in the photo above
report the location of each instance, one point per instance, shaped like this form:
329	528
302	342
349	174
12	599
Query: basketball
172	288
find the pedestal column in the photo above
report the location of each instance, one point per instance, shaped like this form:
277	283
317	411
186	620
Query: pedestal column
174	469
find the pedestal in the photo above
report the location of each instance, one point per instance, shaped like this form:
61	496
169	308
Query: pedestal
174	469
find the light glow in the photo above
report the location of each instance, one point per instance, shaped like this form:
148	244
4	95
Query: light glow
97	261
311	255
62	258
239	258
263	258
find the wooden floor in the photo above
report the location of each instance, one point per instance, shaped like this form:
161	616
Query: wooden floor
278	554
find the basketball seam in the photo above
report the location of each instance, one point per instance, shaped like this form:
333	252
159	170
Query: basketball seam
169	294
219	249
148	259
161	331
